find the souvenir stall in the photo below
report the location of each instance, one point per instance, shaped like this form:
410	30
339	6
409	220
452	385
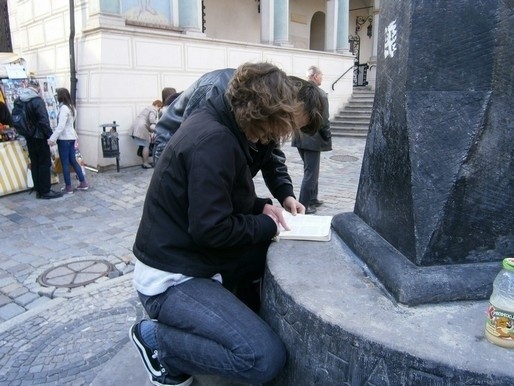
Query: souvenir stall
15	173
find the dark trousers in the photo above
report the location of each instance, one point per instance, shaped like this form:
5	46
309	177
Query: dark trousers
244	279
309	189
40	164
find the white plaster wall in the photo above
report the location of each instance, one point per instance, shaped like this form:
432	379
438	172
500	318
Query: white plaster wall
122	69
233	20
124	86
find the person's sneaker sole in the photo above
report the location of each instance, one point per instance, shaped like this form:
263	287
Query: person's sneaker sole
185	383
151	371
143	352
82	188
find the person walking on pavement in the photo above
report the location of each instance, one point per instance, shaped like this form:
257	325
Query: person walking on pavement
39	151
196	286
309	148
65	136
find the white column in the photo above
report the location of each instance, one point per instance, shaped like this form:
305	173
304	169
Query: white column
376	28
336	33
343	15
330	26
281	22
267	17
372	71
190	16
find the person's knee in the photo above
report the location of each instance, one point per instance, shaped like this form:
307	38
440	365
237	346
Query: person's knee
270	362
275	361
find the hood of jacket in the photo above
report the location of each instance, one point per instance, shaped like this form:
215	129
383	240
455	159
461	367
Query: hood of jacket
27	94
219	106
208	86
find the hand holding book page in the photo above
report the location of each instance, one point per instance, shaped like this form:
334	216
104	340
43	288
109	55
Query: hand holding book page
307	227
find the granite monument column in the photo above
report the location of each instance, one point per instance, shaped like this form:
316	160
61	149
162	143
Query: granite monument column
434	212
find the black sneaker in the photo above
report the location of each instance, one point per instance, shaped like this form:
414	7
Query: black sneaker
310	210
315	203
51	195
156	372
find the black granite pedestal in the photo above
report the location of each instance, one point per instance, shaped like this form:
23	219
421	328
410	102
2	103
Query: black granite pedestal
434	212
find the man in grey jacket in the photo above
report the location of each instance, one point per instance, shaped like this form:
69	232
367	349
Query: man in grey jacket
39	152
310	146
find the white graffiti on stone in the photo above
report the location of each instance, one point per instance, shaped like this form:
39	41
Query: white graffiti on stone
390	40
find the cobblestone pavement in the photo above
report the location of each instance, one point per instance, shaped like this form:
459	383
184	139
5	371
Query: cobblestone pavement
56	335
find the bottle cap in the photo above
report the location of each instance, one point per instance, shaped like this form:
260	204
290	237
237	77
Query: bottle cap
508	263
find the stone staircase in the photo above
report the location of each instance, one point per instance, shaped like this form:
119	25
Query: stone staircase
353	119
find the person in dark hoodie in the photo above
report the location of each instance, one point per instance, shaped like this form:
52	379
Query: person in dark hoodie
39	152
267	157
204	235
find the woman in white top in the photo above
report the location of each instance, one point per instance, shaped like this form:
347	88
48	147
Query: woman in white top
65	136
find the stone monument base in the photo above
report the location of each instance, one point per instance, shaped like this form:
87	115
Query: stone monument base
411	284
341	327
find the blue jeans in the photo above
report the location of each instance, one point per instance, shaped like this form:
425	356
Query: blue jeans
67	155
203	328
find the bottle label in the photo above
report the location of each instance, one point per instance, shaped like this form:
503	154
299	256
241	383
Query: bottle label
500	323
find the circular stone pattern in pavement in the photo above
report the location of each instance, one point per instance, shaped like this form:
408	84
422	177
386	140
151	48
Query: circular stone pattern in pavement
75	274
344	158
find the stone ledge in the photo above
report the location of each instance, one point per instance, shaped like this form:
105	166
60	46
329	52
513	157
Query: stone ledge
340	327
411	284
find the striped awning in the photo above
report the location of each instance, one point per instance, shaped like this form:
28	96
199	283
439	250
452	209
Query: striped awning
13	168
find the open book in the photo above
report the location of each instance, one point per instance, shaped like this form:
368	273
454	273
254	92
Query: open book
307	227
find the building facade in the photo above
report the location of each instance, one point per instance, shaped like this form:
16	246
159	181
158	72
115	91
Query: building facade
117	55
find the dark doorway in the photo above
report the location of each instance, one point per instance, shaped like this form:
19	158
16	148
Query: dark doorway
317	38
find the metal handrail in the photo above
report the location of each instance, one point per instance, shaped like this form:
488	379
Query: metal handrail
337	80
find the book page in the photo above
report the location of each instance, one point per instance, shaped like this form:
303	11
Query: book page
307	227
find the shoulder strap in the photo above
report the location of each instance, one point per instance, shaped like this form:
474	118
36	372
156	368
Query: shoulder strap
29	112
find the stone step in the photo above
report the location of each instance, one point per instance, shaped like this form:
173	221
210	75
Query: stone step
363	97
354	112
352	119
363	90
349	128
355	104
350	133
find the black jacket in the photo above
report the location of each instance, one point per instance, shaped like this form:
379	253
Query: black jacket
37	113
268	159
322	140
201	210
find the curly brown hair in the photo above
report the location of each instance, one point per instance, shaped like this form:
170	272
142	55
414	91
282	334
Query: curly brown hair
264	102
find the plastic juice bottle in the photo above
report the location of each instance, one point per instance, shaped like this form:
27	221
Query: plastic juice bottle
499	328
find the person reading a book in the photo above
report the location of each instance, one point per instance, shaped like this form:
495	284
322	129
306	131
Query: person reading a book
266	157
204	235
